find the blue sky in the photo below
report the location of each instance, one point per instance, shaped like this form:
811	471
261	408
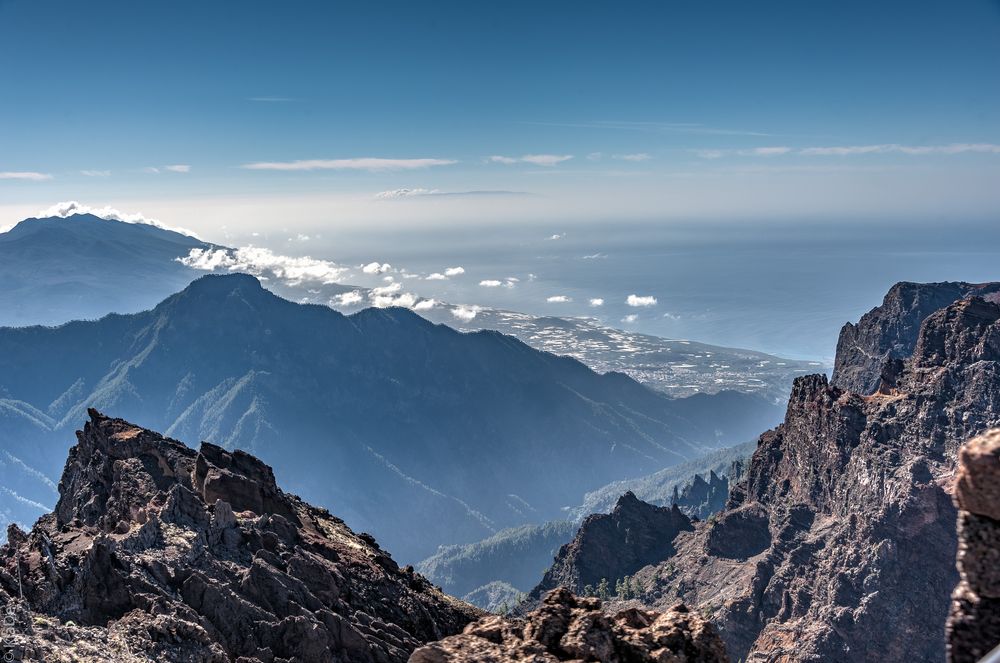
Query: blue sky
193	111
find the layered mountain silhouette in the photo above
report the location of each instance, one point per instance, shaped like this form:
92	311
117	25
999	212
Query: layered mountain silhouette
82	267
414	431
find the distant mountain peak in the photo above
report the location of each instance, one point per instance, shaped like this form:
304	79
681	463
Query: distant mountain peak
72	209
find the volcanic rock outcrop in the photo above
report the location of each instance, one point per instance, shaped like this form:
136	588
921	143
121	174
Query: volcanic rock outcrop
890	331
610	546
570	628
158	552
839	542
974	624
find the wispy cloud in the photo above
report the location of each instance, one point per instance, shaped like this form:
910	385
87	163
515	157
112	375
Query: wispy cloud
630	318
394	194
890	148
640	300
402	194
653	127
371	164
454	271
172	168
854	150
96	173
535	159
559	299
596	302
24	175
436	276
638	156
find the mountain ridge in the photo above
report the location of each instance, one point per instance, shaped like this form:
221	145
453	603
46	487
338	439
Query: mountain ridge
382	395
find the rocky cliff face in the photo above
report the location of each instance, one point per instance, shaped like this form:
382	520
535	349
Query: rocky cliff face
974	623
569	628
158	552
890	331
609	547
839	542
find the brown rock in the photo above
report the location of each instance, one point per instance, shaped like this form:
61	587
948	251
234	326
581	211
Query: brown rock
566	627
612	546
974	623
977	489
838	543
145	559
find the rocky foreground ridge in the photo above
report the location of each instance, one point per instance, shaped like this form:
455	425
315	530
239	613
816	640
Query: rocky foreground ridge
157	552
974	623
570	628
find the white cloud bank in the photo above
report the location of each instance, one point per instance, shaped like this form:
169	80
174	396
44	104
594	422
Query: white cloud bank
454	271
640	301
491	283
596	302
265	263
559	299
371	164
352	298
376	268
465	313
534	159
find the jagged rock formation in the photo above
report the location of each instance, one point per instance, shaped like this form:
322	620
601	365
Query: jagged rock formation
570	628
889	332
658	488
700	498
609	547
171	554
974	623
839	542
